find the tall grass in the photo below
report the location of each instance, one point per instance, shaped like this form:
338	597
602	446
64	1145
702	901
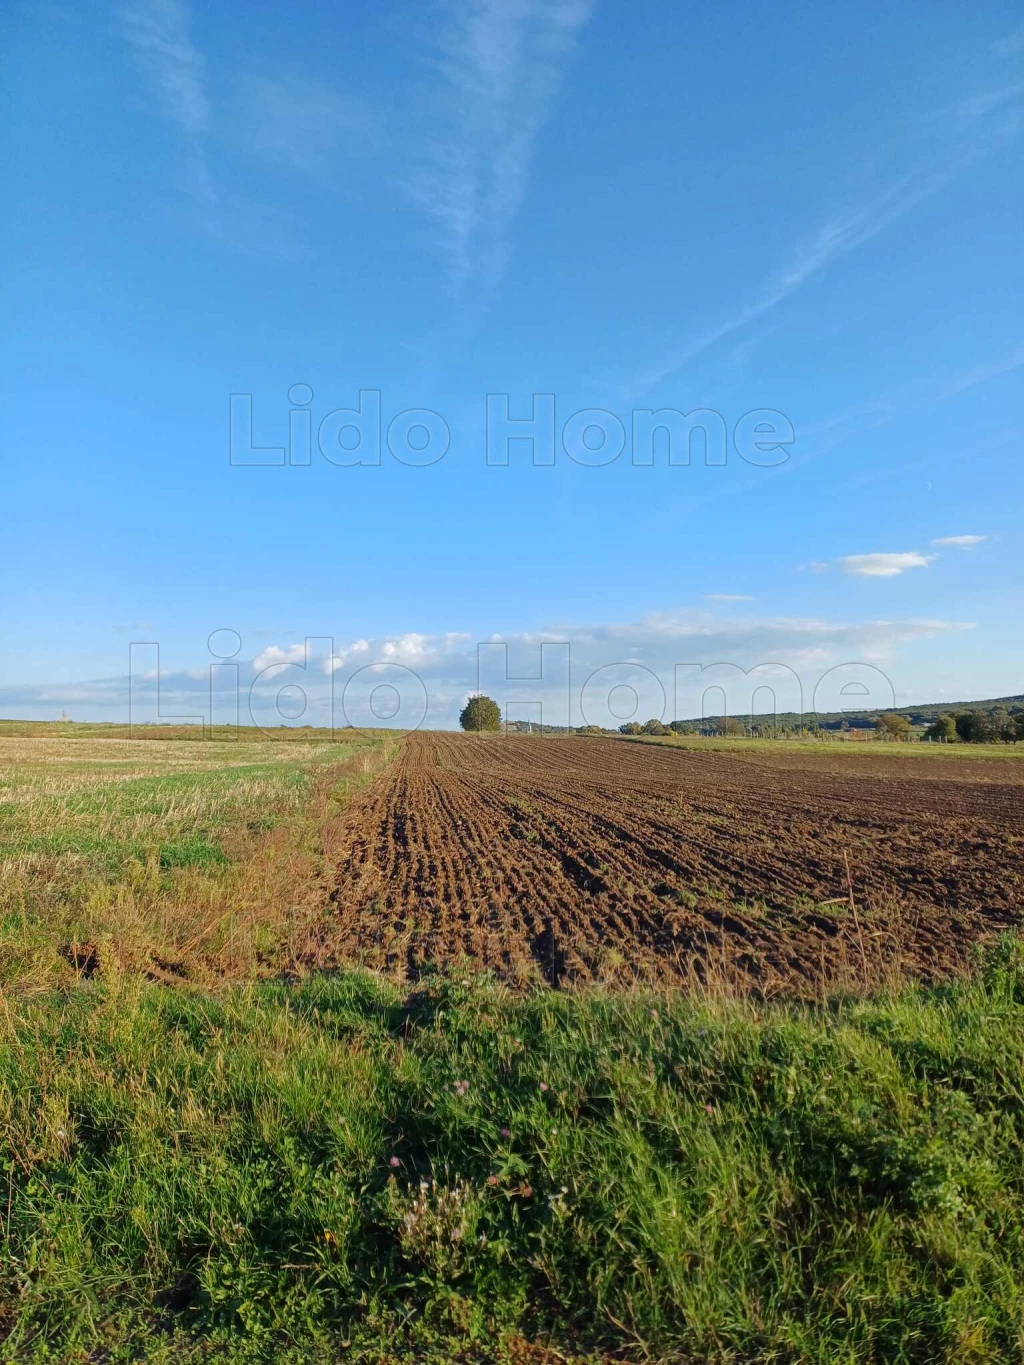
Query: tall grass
337	1171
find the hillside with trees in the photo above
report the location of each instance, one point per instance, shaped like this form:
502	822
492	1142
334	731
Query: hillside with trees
993	721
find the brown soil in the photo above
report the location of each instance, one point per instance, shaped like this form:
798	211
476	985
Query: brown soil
585	858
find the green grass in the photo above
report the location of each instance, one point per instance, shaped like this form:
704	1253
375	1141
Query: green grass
336	1171
835	747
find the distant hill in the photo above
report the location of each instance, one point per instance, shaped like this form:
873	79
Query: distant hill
927	711
921	714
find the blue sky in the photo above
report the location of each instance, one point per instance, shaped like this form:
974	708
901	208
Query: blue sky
813	211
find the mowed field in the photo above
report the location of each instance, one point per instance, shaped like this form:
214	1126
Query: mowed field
584	858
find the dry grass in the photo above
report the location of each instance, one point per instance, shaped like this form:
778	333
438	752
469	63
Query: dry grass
196	861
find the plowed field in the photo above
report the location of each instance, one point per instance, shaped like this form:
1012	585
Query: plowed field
588	858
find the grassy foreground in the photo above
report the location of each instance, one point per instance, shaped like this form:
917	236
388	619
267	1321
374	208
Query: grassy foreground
333	1170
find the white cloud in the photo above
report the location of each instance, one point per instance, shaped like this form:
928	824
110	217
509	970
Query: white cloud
501	64
884	565
656	641
727	597
411	650
963	542
272	660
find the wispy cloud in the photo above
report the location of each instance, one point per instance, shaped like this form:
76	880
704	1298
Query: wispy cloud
837	237
969	128
1011	44
158	32
884	565
961	542
500	63
727	597
981	374
302	125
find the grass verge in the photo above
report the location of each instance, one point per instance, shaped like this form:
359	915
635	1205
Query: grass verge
335	1170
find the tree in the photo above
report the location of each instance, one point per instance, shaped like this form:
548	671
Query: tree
682	727
893	726
1002	726
973	727
480	713
631	728
655	727
942	728
730	725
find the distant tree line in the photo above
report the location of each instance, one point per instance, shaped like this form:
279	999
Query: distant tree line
987	724
996	726
715	725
